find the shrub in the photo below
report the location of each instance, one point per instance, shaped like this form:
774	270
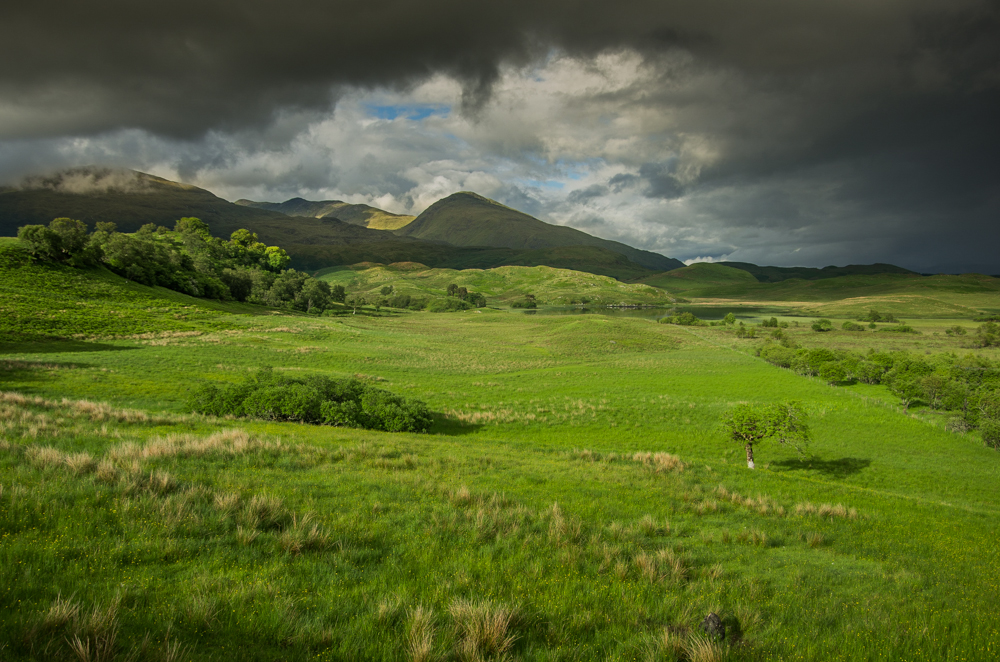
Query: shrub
446	305
901	328
989	428
318	400
822	325
778	355
683	319
852	326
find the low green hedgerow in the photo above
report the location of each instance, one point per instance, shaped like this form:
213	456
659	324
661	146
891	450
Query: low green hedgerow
318	400
684	319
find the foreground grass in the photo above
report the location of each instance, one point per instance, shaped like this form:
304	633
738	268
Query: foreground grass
574	501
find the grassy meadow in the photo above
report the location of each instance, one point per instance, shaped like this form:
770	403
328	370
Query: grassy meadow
575	499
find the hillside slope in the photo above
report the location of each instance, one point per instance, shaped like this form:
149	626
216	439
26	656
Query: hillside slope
363	215
778	274
468	219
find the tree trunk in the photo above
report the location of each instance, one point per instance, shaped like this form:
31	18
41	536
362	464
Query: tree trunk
750	456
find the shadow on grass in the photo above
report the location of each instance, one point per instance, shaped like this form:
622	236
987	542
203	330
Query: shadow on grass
58	347
452	427
842	468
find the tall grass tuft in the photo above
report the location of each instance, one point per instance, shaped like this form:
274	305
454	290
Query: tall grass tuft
700	648
420	637
482	629
303	536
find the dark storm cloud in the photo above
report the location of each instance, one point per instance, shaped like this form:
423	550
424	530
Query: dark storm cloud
589	193
184	67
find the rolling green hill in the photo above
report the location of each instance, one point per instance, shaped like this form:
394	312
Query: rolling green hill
363	215
778	274
699	276
468	219
500	285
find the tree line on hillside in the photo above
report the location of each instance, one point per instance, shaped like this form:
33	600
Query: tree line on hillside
186	259
967	385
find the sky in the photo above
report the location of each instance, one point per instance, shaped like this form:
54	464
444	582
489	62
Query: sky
780	132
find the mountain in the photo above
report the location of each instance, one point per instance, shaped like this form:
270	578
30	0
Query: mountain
468	219
778	274
363	215
132	199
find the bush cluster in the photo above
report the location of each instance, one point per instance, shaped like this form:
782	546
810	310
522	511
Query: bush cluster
186	259
318	400
476	299
969	385
683	319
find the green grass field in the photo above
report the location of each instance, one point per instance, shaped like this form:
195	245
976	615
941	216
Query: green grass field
575	499
941	296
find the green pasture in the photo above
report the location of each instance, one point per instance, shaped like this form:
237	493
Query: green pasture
905	295
500	285
575	499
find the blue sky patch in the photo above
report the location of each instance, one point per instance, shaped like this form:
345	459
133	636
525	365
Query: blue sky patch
409	111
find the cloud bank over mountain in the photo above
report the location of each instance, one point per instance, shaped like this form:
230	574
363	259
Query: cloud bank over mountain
775	132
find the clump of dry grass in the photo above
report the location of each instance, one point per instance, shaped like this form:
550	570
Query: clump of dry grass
649	526
826	510
482	629
659	462
753	537
389	609
461	496
700	648
80	463
664	564
304	536
45	457
563	530
92	636
420	636
246	535
814	539
264	511
227	503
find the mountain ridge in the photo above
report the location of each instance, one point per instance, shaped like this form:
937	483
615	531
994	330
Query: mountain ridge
354	214
469	219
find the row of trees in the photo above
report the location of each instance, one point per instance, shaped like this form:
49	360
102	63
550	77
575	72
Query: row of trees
462	293
969	386
186	259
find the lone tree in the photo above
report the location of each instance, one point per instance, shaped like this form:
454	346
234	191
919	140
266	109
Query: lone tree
750	423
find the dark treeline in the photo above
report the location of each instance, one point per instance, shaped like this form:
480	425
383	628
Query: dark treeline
318	400
967	385
186	259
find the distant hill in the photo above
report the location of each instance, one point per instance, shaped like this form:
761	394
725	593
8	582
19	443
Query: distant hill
778	274
698	276
468	219
363	215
